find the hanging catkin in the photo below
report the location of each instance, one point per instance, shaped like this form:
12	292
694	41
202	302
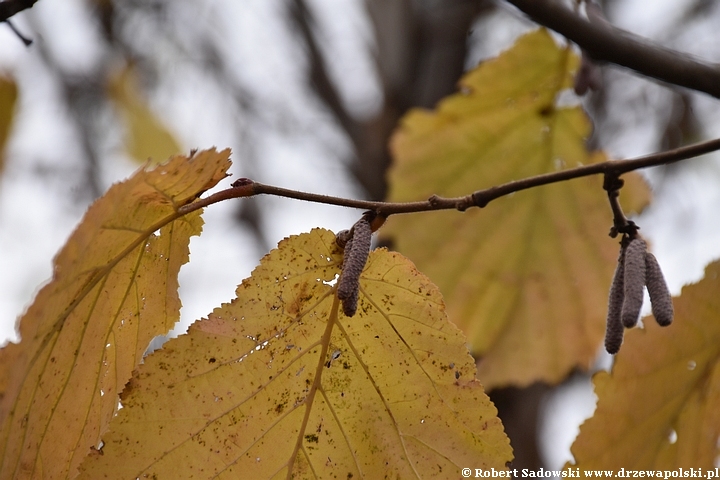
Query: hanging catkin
662	306
614	328
356	253
636	269
633	281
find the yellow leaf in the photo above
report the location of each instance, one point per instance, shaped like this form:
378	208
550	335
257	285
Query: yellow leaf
147	137
114	288
8	98
526	278
280	383
658	408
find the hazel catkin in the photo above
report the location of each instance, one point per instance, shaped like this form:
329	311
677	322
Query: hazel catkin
636	269
662	306
633	281
356	253
614	329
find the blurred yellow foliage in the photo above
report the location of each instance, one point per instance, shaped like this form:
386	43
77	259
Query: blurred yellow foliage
8	98
147	138
526	278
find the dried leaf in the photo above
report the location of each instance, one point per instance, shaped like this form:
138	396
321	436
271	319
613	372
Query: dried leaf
526	277
657	409
279	383
114	288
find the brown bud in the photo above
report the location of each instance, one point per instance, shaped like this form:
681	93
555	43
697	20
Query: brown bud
356	253
377	222
342	238
662	306
614	328
241	182
633	281
588	76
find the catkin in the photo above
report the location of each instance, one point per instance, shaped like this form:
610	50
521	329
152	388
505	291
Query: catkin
614	328
633	280
356	253
349	304
662	306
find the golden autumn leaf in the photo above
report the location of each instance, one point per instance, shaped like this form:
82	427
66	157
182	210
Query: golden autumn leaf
658	408
526	278
114	288
147	137
8	98
279	383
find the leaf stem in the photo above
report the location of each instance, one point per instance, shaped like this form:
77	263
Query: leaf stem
479	198
612	184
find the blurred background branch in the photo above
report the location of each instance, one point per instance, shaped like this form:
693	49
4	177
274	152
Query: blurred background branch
8	8
604	43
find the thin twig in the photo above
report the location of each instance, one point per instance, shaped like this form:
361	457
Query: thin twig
606	43
480	198
612	184
18	33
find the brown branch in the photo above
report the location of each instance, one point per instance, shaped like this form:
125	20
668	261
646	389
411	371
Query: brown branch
480	198
8	8
603	42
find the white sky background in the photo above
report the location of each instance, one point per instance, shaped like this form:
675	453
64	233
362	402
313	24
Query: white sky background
304	150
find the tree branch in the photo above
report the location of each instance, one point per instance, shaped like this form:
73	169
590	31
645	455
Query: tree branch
248	188
603	42
8	8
